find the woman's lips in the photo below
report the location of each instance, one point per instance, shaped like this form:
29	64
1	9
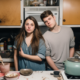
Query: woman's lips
28	29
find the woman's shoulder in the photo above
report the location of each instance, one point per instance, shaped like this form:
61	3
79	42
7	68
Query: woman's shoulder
41	40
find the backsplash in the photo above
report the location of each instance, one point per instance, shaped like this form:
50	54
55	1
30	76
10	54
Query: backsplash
77	37
6	33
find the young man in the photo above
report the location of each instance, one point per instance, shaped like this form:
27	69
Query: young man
59	42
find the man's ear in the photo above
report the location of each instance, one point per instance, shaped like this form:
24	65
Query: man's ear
54	17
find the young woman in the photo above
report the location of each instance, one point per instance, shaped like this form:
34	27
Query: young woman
29	46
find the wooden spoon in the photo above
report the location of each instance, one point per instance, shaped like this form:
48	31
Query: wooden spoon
77	53
1	60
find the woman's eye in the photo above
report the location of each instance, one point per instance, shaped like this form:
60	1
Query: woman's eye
26	23
31	24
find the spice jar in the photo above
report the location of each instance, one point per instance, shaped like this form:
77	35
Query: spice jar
2	46
9	45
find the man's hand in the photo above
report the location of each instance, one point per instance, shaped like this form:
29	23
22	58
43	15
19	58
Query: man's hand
51	63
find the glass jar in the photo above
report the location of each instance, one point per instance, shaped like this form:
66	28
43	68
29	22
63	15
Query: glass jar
2	46
9	45
5	45
27	2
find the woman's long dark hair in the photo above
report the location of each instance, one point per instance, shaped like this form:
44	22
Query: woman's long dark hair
36	36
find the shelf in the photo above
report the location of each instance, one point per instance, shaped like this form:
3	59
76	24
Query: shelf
8	59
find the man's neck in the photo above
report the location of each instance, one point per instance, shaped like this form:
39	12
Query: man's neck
56	29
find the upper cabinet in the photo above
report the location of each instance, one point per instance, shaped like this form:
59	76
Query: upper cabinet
70	13
10	13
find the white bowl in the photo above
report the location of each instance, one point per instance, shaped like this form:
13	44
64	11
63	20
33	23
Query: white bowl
12	76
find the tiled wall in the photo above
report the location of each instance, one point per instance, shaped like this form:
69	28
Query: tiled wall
77	37
12	32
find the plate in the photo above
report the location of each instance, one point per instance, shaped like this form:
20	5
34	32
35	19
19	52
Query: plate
26	72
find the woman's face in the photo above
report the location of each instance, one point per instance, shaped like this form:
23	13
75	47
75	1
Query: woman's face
29	26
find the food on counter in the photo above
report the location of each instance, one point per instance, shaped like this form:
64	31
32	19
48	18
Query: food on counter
11	75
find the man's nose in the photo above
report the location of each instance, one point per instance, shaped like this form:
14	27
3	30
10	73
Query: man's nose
48	22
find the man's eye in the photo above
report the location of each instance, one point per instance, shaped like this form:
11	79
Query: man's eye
49	18
45	21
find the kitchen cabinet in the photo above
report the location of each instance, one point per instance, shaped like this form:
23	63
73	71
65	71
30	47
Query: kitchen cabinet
70	13
10	13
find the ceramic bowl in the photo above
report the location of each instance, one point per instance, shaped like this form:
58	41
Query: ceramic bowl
5	68
26	72
12	76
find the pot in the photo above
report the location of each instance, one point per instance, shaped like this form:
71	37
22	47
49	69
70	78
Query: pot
72	66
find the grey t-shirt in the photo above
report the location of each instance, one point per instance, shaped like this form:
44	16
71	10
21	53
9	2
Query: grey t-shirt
58	45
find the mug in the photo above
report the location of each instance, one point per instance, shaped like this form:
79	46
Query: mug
5	68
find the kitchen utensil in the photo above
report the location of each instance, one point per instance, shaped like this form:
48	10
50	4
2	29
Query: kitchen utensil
26	72
72	66
56	74
1	60
61	76
78	54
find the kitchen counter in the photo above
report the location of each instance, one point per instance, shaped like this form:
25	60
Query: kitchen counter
43	75
39	75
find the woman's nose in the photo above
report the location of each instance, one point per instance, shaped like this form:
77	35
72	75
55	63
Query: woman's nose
29	26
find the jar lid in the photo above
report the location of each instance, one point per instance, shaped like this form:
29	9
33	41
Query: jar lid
74	59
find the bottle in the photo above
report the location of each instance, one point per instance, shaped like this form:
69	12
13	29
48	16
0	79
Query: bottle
27	3
9	45
31	1
5	45
2	46
45	2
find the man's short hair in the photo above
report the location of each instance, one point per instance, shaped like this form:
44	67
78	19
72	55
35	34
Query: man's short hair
46	14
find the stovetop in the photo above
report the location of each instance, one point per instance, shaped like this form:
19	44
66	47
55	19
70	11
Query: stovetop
69	77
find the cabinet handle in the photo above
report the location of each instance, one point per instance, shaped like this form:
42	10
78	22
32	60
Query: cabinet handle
64	20
0	21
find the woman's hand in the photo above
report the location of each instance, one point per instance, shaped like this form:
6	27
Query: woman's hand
30	57
21	53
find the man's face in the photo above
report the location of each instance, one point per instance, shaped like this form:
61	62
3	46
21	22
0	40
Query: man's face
50	21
